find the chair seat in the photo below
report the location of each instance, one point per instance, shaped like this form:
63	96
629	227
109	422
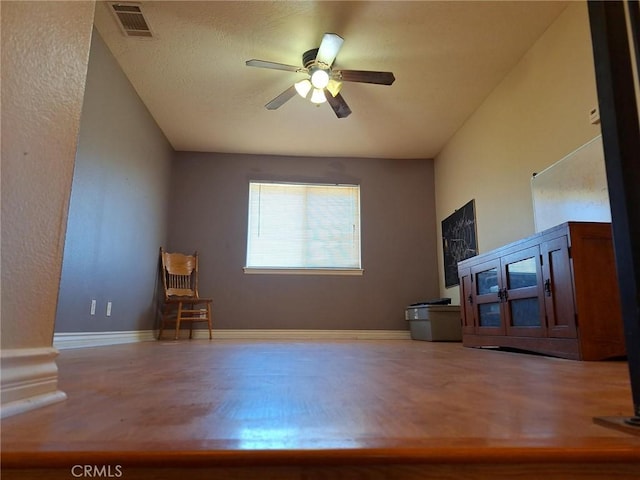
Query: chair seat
188	300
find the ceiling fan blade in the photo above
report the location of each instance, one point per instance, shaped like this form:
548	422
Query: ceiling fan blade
274	65
281	99
338	105
329	48
365	76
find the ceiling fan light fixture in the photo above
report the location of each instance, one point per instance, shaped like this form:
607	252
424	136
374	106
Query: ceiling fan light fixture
334	87
319	78
318	96
303	87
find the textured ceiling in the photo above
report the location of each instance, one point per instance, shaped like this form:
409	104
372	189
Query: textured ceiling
447	57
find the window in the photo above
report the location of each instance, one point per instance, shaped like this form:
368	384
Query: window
303	228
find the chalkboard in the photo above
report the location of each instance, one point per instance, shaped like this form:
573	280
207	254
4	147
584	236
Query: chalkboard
572	189
458	240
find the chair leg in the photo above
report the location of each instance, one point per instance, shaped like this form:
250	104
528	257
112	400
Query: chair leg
191	307
164	312
209	320
178	318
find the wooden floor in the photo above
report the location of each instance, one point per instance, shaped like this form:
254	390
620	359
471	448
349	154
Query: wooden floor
361	409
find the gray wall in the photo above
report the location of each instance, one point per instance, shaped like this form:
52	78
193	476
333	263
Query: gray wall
118	208
121	212
208	213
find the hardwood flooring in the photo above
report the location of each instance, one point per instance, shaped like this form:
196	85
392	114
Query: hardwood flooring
325	409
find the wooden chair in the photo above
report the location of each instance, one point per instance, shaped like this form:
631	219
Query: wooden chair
181	301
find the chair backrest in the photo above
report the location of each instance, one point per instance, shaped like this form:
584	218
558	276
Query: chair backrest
179	274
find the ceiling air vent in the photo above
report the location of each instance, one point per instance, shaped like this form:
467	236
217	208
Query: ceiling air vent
131	19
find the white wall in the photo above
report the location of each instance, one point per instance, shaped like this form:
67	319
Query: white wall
537	115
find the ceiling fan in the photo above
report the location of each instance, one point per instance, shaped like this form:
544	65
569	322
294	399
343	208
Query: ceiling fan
323	83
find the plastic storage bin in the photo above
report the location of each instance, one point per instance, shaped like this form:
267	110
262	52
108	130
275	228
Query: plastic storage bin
435	323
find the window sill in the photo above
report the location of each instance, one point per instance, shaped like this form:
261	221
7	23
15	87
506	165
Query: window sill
303	271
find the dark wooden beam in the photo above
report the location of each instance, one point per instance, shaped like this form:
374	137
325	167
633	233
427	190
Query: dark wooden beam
621	138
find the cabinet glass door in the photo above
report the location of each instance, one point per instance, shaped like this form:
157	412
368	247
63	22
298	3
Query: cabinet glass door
489	315
486	278
522	293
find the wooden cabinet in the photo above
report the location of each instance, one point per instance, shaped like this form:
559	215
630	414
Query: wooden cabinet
555	293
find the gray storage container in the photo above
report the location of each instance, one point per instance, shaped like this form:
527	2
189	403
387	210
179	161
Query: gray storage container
435	323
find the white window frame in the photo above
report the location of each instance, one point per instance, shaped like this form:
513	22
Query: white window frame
303	270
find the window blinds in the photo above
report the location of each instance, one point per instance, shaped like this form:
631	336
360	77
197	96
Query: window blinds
303	226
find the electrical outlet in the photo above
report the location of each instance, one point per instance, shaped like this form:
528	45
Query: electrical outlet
594	116
108	309
93	307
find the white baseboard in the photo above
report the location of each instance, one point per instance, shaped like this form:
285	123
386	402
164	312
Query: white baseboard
291	334
64	341
29	380
96	339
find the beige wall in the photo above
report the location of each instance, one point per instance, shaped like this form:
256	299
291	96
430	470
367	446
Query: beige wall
537	115
45	50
